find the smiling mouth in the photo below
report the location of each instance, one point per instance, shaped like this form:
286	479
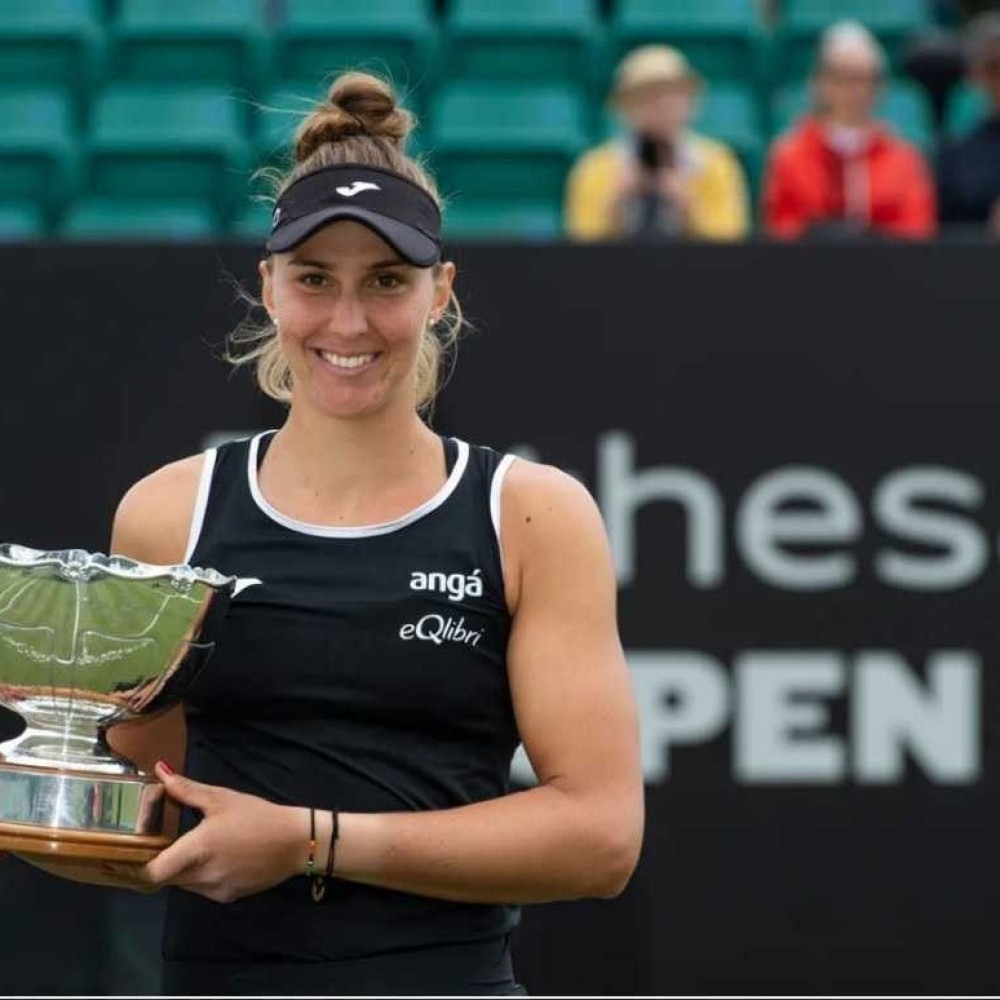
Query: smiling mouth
348	362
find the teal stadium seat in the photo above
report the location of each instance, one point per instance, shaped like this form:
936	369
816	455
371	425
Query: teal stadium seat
802	22
539	41
320	38
723	39
253	222
903	106
51	43
967	107
497	220
276	116
730	112
167	144
505	143
126	219
20	222
38	151
221	42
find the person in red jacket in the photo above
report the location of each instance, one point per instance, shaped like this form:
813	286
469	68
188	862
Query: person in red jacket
839	171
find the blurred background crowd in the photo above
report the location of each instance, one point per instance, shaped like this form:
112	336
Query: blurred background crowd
542	119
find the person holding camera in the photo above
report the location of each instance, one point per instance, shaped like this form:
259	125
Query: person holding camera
658	179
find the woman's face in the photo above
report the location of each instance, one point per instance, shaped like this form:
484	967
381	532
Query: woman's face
848	86
351	314
659	110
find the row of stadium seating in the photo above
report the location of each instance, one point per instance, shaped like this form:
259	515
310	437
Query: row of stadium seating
186	154
97	137
252	43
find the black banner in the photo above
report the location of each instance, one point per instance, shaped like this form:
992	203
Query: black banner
793	451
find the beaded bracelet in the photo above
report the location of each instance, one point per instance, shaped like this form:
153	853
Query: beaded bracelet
311	861
317	883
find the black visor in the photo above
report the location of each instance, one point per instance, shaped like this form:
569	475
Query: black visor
398	210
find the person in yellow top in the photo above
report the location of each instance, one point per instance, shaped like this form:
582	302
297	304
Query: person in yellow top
658	179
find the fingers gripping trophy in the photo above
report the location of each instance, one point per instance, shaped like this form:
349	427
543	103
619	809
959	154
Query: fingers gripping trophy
88	641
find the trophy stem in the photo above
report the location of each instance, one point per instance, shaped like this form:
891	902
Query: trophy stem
83	748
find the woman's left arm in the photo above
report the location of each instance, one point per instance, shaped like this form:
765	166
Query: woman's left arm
577	833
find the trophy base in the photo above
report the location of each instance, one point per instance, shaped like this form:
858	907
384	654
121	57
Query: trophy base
81	815
80	846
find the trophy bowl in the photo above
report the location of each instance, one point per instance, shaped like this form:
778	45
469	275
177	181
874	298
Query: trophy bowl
88	641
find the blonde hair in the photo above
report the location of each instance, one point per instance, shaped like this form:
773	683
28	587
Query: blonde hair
360	122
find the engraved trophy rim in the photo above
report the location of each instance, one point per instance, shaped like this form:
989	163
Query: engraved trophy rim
79	564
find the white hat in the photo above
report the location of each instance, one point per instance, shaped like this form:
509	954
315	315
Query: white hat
652	64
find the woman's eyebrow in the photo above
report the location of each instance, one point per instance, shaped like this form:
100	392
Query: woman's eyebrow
302	262
389	262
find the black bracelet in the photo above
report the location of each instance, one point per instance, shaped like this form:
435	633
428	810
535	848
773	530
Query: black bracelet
311	861
317	886
334	834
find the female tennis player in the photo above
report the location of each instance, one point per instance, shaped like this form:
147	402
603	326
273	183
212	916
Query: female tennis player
410	608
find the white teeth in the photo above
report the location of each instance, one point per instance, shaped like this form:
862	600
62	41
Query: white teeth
347	360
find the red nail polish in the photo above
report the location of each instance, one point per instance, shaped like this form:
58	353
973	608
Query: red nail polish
166	767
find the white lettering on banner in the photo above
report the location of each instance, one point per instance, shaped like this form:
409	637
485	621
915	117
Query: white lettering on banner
622	491
966	549
764	525
799	505
774	701
780	730
940	728
684	699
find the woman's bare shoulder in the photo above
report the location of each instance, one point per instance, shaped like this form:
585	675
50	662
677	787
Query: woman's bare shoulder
547	512
538	490
153	519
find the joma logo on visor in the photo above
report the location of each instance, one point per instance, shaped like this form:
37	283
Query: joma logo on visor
356	187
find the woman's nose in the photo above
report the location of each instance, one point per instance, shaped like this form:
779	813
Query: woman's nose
347	316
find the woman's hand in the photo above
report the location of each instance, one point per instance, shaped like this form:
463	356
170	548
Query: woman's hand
244	844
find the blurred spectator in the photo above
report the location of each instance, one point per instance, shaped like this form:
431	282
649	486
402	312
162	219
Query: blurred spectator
659	179
840	172
969	170
951	13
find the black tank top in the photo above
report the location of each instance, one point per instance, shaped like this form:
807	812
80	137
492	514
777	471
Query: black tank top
359	669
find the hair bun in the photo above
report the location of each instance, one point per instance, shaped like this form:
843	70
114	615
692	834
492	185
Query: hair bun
358	104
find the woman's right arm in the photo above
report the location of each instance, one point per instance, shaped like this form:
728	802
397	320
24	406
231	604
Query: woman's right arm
151	525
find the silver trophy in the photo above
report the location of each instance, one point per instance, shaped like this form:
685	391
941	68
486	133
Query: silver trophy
88	641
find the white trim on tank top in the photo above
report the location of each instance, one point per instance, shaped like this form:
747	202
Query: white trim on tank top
200	503
363	530
496	496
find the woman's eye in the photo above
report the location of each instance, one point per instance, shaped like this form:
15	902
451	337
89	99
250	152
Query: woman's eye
313	280
387	282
